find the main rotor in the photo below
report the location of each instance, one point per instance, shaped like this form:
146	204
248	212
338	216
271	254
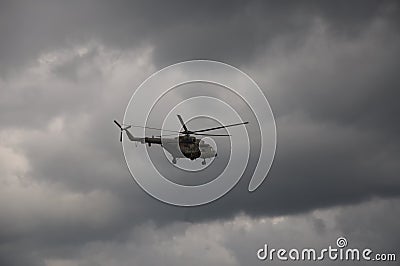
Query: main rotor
188	132
185	131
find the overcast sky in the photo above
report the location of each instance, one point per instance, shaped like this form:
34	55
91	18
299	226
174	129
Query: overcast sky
328	68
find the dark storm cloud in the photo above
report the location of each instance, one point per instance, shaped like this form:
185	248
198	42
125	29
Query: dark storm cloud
329	70
233	31
236	241
33	28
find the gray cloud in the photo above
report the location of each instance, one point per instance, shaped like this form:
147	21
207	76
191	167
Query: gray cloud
234	32
68	69
236	241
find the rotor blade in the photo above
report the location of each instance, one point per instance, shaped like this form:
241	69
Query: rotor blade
118	124
183	124
215	128
168	135
120	137
205	134
153	128
211	135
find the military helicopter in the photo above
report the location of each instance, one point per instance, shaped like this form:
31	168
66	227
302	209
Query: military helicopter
185	145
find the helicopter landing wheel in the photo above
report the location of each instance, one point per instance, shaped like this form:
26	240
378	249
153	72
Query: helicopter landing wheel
174	161
203	162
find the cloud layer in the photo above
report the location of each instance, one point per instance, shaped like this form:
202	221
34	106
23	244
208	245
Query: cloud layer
67	70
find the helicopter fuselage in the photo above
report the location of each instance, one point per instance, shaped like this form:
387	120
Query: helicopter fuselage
179	147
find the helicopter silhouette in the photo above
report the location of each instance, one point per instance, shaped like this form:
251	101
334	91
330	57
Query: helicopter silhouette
185	145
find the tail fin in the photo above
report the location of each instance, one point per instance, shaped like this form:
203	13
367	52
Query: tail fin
130	136
122	129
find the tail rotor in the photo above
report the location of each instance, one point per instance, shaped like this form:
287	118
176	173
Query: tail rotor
122	129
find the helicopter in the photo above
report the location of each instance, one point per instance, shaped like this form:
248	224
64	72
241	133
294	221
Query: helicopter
185	145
